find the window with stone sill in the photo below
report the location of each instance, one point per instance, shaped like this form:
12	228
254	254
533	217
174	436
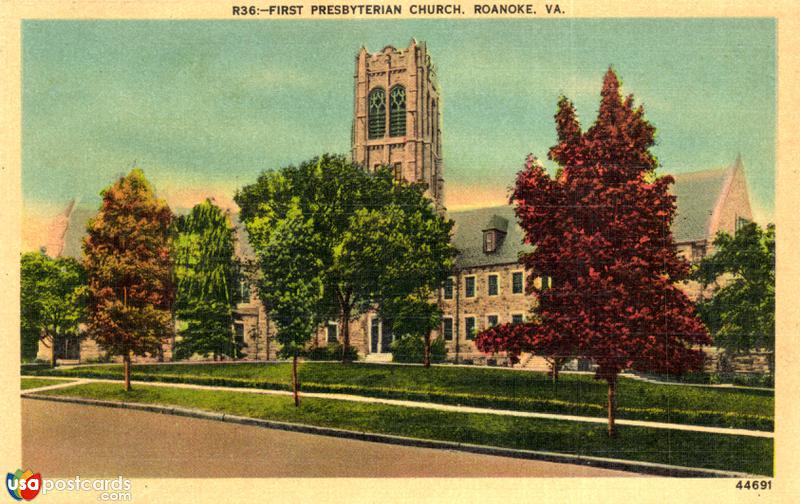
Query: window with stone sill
493	285
448	288
469	328
469	286
517	283
333	333
447	328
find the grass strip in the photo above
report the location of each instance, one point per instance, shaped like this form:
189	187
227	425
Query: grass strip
479	387
32	383
689	449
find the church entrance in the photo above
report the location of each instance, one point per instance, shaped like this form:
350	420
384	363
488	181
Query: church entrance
380	336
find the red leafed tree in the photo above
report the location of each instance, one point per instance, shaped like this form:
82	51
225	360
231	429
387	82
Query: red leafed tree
129	268
513	339
601	230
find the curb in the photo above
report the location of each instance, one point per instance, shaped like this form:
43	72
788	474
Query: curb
649	468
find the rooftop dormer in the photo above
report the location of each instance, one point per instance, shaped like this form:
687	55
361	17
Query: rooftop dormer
493	234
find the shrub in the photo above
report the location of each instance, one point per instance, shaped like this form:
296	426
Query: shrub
754	380
411	349
330	352
31	367
103	358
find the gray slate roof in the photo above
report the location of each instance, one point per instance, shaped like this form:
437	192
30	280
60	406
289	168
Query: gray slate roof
697	194
82	212
468	236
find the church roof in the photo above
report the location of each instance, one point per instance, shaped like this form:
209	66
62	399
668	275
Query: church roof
82	212
698	194
468	236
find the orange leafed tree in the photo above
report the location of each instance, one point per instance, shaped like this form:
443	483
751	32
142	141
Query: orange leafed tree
129	269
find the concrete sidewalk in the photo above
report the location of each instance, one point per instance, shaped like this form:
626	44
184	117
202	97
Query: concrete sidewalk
427	405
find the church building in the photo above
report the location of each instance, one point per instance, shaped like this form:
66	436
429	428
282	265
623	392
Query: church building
397	122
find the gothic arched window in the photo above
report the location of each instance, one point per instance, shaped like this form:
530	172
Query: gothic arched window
377	113
397	111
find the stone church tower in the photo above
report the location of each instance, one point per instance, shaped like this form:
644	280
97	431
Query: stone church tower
396	118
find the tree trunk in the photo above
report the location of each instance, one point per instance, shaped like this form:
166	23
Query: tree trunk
555	363
612	406
426	357
53	354
295	385
126	359
344	322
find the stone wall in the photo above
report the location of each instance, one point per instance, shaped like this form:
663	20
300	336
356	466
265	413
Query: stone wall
504	305
755	362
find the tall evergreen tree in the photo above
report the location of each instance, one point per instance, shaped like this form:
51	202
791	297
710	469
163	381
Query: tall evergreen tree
205	272
129	268
601	231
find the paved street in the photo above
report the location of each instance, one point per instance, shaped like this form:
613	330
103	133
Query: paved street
63	440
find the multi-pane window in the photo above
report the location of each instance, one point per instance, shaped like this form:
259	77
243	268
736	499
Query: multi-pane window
397	111
377	113
469	327
333	332
491	320
547	282
516	282
447	328
489	241
517	318
493	285
469	286
448	288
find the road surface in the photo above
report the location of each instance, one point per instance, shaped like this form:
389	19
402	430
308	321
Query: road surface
65	440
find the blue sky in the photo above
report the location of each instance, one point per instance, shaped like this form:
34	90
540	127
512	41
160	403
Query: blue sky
204	106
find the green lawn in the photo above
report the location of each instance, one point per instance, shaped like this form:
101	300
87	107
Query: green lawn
478	386
690	449
32	383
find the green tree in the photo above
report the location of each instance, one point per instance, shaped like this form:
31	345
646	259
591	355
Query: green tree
52	299
741	273
339	198
129	267
291	285
206	275
408	248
